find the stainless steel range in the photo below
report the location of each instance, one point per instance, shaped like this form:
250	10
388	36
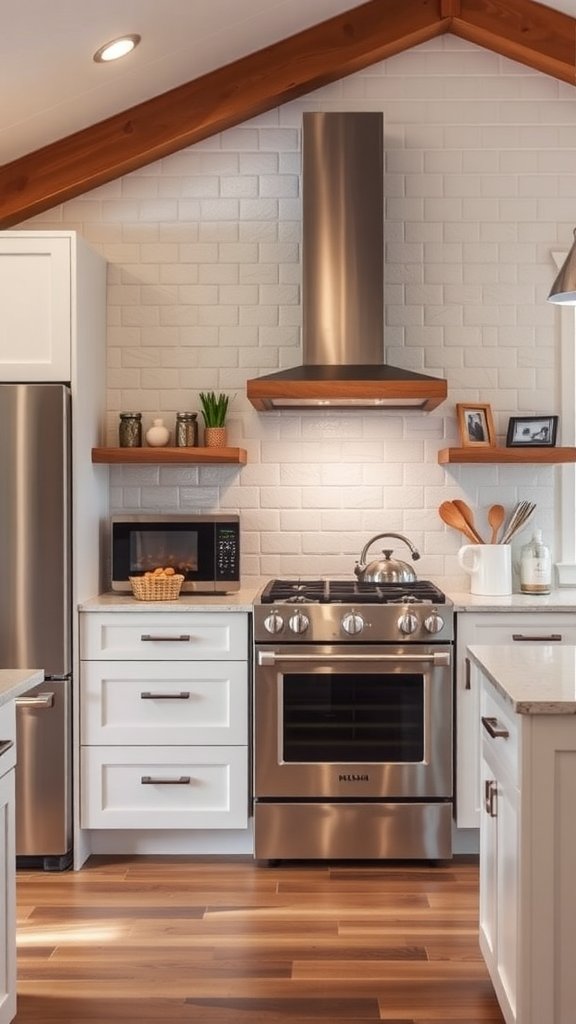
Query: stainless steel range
353	720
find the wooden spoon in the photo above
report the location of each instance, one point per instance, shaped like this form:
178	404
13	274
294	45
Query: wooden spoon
496	514
468	515
452	516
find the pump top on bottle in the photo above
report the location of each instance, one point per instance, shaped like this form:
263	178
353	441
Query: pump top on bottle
535	566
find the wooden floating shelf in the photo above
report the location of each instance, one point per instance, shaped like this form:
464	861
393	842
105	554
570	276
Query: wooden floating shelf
482	456
171	456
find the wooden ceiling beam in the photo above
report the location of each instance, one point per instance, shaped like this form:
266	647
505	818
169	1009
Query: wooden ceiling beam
528	32
538	36
212	103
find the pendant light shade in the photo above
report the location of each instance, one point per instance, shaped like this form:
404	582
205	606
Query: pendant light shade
564	288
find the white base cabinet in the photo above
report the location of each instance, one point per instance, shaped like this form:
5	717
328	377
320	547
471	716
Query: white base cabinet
527	860
164	720
518	629
7	868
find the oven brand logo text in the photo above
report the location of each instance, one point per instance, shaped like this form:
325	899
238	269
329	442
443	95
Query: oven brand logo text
353	778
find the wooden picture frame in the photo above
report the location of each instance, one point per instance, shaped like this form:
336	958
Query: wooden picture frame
475	425
532	432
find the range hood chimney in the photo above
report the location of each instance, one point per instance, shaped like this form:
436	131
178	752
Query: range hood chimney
343	279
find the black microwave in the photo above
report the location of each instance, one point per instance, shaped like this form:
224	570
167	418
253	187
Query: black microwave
205	549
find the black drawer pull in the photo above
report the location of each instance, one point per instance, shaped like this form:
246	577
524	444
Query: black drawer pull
494	730
490	795
5	746
148	695
183	638
151	780
557	637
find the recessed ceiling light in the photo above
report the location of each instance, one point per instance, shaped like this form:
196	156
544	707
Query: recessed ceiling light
116	48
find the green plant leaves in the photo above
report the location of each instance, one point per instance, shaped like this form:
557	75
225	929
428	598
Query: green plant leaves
214	408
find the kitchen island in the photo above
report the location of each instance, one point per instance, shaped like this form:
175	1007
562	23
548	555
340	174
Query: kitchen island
13	683
528	828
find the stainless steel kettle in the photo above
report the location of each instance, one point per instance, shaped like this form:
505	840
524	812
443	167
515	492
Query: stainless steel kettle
387	569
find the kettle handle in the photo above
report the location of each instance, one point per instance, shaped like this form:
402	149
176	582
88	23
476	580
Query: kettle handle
379	536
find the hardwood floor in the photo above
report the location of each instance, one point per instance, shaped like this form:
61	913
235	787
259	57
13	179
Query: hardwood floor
163	940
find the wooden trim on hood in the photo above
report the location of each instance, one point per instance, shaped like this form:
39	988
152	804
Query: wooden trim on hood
522	30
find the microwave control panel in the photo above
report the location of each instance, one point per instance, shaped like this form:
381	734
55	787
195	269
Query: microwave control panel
227	553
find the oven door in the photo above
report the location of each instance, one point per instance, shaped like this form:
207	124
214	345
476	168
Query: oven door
346	722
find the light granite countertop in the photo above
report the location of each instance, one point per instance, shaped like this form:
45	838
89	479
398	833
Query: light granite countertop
561	600
534	681
16	681
241	601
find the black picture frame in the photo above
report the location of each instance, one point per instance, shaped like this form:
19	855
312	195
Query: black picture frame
532	432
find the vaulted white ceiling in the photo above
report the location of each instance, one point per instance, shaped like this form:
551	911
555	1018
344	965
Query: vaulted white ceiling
50	86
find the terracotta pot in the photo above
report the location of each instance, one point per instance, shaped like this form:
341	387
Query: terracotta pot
215	437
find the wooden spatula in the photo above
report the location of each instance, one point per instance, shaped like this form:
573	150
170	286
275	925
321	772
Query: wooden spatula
452	516
468	516
496	514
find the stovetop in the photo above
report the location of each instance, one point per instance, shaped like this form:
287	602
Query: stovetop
349	611
350	591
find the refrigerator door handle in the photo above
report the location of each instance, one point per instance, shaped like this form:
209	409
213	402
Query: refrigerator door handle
43	700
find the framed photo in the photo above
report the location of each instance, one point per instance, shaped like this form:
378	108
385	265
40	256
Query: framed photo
475	425
532	432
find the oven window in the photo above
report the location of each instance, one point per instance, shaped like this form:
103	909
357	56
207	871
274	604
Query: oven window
150	549
349	718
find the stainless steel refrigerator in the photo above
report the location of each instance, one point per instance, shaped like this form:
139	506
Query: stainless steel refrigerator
36	610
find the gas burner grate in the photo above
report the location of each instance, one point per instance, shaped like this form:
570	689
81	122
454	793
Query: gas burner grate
350	592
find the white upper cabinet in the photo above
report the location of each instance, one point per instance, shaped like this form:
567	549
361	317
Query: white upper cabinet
42	295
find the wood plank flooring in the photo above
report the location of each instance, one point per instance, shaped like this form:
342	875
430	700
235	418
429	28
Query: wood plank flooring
165	940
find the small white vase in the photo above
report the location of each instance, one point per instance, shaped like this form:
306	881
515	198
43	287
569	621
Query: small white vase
157	436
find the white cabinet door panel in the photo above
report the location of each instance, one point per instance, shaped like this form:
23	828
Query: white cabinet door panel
164	787
159	636
7	899
134	703
35	297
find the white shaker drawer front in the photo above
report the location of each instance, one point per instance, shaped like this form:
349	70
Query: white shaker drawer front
537	629
159	636
174	703
500	733
164	788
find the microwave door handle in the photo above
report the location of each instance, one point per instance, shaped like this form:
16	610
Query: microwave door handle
271	657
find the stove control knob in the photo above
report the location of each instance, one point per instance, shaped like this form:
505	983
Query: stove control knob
434	623
274	623
408	623
353	624
299	622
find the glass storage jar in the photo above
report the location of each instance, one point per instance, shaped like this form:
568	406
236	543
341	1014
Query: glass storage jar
186	430
130	430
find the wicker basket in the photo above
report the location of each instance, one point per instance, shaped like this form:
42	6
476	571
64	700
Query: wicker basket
156	588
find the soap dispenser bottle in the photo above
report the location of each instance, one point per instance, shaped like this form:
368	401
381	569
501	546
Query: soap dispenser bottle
535	566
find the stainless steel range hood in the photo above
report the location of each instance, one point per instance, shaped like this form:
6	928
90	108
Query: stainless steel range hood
343	279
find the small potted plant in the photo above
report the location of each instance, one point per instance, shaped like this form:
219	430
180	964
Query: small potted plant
214	410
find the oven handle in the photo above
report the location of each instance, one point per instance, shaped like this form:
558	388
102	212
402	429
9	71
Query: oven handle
271	657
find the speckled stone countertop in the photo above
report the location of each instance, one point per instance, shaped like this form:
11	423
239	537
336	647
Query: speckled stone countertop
534	681
15	681
241	601
561	600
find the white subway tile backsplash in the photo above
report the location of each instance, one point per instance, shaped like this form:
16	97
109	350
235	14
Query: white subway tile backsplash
204	291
